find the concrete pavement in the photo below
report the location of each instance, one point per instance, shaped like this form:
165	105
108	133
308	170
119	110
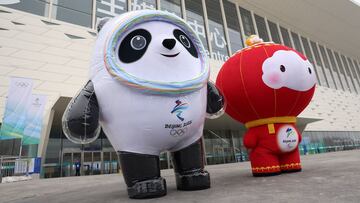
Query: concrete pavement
329	177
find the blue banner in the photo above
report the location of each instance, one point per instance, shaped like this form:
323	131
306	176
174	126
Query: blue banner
17	105
34	119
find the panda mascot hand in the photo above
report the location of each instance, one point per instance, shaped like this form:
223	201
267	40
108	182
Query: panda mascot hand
215	102
148	90
81	117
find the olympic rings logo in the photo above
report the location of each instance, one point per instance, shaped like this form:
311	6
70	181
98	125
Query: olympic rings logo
178	132
22	84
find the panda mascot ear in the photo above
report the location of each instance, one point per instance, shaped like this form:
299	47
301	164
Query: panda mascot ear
101	22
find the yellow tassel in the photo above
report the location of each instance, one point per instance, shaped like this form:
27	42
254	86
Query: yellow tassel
271	128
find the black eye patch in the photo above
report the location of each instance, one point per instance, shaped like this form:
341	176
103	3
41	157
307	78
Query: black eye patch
186	42
134	45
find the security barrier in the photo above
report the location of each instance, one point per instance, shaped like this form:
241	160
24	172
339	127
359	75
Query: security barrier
13	166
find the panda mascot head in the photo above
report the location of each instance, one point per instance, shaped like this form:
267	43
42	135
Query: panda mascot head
150	50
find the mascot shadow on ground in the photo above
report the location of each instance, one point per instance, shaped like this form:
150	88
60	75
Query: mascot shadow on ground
265	86
149	91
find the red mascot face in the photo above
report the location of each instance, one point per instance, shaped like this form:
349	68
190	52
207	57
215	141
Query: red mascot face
266	80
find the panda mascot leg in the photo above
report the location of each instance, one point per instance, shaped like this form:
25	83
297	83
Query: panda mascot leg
142	175
189	168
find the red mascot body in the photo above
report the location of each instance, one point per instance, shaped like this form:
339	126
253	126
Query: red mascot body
266	86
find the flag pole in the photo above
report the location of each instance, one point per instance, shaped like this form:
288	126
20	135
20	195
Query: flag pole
21	143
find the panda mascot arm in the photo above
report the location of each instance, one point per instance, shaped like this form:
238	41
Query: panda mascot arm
81	117
215	101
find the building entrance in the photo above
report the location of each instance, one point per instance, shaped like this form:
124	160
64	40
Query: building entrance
88	163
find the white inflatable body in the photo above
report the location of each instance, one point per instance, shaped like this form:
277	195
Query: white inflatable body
142	123
151	95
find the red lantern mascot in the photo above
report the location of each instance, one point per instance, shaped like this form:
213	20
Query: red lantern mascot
266	86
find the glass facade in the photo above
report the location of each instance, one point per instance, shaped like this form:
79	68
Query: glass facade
296	41
355	76
110	8
348	74
334	69
95	158
233	24
37	7
319	65
314	142
224	39
171	6
327	70
285	36
78	12
261	27
142	4
357	69
342	72
247	22
216	31
195	18
274	32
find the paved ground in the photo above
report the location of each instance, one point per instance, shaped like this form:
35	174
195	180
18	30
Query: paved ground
330	177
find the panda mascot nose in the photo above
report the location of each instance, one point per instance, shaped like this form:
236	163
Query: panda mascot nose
169	43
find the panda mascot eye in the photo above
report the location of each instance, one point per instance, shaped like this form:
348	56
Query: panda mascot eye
138	42
134	45
184	40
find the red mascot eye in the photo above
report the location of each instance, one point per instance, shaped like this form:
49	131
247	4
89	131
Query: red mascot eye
309	70
282	68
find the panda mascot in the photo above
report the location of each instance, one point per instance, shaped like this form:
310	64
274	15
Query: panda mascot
149	92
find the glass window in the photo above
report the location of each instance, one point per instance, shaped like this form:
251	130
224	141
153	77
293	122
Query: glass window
274	32
334	70
10	147
261	26
309	54
318	64
143	4
78	12
219	147
342	72
216	29
286	37
37	7
52	151
247	22
355	76
195	18
357	69
348	74
327	67
233	25
296	41
307	49
110	8
172	6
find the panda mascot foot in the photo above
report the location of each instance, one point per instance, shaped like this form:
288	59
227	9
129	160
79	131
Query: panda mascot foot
142	175
148	189
189	168
198	180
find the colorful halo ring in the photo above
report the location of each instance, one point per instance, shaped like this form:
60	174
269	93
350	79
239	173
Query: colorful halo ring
135	18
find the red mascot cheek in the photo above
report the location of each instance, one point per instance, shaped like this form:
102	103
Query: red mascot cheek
268	112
